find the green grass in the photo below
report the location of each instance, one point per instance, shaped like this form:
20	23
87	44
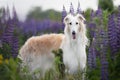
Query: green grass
11	70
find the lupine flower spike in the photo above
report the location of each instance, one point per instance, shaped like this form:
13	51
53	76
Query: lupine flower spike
79	9
71	9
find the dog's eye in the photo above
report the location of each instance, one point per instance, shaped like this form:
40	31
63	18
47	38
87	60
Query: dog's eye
76	23
70	23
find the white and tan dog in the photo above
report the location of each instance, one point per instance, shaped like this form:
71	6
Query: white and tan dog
37	51
74	44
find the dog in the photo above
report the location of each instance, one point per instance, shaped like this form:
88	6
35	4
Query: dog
74	44
36	53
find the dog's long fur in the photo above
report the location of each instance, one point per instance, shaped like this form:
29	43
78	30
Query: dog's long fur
74	50
37	51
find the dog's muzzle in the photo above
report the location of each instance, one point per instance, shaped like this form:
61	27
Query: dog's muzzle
73	35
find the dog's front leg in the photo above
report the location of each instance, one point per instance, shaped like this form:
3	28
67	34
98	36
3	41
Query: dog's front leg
84	74
83	68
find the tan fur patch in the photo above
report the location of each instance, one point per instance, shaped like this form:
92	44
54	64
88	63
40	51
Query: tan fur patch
79	29
42	44
68	29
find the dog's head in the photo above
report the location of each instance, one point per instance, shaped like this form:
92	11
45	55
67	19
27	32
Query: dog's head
74	24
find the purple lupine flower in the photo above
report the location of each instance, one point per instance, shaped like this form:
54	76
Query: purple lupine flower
71	9
9	38
54	27
8	33
92	27
92	15
29	27
39	27
46	26
104	62
8	13
79	9
15	46
112	35
118	30
104	71
64	13
57	27
15	16
99	12
92	55
33	24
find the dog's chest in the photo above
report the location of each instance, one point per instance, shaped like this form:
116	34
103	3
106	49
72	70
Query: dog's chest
71	56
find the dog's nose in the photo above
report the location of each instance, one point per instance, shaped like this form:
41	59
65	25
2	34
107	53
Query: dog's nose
73	33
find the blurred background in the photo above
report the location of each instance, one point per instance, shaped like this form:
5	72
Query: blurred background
21	19
24	7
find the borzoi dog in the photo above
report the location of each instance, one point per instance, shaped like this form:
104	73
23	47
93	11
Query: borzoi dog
37	51
74	43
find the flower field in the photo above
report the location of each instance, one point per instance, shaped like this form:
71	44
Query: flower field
103	52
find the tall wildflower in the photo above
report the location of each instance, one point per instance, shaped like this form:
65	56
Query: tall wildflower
92	15
15	19
7	40
112	35
92	55
15	13
15	46
104	62
64	13
92	24
7	13
92	27
78	8
71	9
99	12
118	29
11	39
8	33
8	37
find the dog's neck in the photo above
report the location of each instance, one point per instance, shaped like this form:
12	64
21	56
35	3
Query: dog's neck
72	44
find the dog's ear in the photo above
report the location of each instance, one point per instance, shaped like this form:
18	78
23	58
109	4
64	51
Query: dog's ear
66	19
80	17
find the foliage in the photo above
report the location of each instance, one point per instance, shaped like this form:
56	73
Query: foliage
5	51
60	67
106	4
10	70
103	34
116	68
37	13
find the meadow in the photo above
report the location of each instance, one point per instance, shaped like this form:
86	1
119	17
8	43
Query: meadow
103	53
